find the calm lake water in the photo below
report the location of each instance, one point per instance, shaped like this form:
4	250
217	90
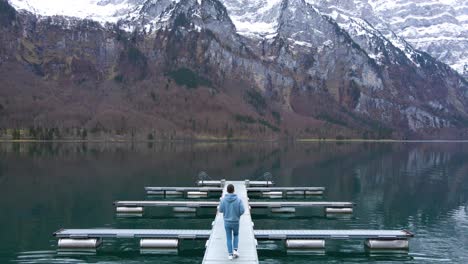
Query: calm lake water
422	187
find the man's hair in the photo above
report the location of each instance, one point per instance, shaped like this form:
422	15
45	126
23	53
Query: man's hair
230	188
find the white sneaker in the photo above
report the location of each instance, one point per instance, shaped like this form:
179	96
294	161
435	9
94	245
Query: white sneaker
230	257
236	254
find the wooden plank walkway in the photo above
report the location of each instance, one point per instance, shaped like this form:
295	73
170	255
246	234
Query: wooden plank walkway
216	251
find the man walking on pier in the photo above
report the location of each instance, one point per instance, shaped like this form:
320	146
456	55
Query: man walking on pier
232	208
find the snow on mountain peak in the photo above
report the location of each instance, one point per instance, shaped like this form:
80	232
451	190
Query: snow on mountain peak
439	27
101	11
254	17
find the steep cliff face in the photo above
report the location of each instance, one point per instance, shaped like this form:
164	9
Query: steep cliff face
407	67
187	68
437	27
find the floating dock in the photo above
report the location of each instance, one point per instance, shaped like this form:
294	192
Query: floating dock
186	192
258	234
284	192
265	191
213	204
137	207
316	239
216	251
247	183
189	204
331	234
133	233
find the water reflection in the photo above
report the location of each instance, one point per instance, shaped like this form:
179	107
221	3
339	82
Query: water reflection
419	186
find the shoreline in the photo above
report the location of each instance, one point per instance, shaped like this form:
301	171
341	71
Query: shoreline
302	140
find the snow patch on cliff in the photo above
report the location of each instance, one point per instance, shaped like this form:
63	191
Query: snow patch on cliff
84	9
254	18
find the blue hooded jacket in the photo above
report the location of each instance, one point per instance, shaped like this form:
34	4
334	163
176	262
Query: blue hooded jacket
232	208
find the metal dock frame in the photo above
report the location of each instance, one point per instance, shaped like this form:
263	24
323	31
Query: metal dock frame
259	234
265	191
247	183
216	251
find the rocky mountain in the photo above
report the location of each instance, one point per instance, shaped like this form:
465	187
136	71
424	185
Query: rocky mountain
437	27
210	68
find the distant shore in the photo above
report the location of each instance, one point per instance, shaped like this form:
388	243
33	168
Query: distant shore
223	140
